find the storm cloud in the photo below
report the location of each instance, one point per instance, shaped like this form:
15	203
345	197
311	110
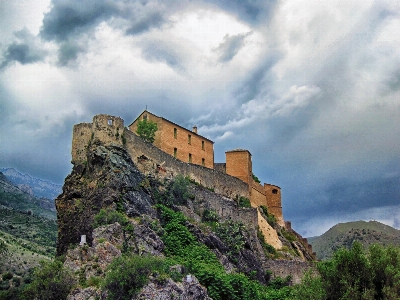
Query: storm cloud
311	89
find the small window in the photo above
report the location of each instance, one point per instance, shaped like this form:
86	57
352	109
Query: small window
109	122
202	145
274	191
175	152
145	117
190	157
203	162
189	139
175	133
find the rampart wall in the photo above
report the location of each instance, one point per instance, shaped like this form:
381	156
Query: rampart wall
221	183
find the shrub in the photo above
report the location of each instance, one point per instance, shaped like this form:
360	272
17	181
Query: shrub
50	281
177	192
109	216
232	234
244	202
267	247
7	276
210	215
128	274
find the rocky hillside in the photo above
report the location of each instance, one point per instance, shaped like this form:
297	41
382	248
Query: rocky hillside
33	186
19	199
344	234
203	233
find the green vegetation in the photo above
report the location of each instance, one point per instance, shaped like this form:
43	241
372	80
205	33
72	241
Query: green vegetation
109	216
127	274
25	203
243	202
182	248
146	129
269	250
255	178
50	281
355	274
344	234
176	192
269	217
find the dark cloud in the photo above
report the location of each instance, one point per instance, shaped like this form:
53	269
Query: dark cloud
69	18
153	20
67	52
25	50
230	46
251	11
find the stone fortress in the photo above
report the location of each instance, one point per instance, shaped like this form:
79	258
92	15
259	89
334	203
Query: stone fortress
177	150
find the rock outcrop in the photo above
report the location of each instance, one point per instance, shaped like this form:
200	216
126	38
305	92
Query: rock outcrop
109	179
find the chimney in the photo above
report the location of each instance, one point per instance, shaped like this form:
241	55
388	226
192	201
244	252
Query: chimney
194	129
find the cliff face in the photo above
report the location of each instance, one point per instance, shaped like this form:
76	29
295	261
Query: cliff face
108	178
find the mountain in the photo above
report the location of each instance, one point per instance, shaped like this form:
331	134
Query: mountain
28	230
14	197
34	186
344	234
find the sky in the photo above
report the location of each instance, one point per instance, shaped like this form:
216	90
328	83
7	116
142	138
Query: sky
310	88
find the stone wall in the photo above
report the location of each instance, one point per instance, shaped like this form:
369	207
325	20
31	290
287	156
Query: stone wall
169	167
284	268
105	128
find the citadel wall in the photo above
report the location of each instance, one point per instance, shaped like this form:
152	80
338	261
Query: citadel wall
169	167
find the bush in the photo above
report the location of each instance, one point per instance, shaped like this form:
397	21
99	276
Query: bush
50	281
109	216
243	202
7	276
177	192
209	215
126	275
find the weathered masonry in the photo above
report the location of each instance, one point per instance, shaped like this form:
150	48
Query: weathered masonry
185	145
172	156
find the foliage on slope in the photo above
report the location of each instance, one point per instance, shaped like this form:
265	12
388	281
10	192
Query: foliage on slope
344	234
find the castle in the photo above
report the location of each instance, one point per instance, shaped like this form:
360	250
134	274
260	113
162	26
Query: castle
177	150
189	146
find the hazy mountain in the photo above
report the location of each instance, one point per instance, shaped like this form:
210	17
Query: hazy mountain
344	234
14	197
39	187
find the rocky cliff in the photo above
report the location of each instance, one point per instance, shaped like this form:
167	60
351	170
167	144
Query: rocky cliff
109	179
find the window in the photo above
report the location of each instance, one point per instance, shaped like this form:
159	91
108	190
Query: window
190	157
175	133
203	162
189	139
175	152
202	145
274	191
145	117
109	122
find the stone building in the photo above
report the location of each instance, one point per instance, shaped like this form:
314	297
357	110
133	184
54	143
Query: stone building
183	144
239	164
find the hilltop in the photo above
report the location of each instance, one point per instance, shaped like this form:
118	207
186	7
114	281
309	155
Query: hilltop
166	214
344	234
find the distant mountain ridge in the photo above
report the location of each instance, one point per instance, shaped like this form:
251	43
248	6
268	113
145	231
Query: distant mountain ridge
12	196
39	187
344	234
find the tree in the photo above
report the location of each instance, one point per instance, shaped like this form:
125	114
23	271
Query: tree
147	130
51	281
